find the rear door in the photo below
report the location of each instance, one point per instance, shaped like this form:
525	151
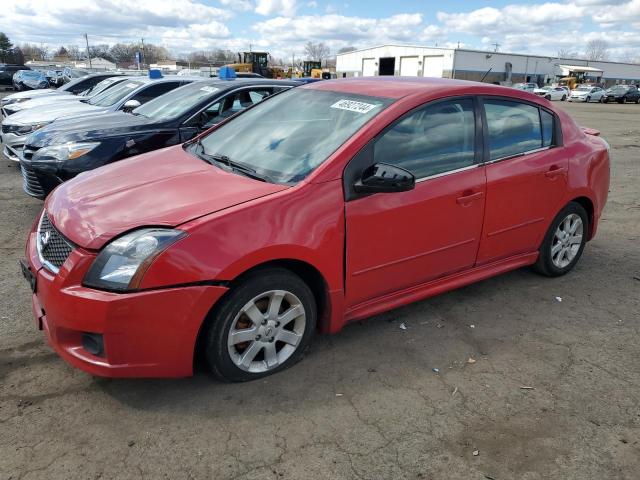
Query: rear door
526	177
399	240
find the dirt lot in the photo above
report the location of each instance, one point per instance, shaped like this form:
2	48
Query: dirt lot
366	403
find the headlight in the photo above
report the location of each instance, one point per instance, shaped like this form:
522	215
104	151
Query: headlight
25	129
122	263
10	101
66	151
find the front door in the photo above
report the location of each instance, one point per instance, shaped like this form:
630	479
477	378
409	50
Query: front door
398	240
526	178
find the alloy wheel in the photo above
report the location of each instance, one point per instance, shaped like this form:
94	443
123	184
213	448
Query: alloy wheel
567	240
266	331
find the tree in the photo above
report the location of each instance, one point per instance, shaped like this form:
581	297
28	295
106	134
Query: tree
567	53
32	51
597	50
5	46
629	56
316	51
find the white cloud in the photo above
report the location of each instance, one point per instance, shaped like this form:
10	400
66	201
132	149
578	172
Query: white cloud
276	7
240	5
312	4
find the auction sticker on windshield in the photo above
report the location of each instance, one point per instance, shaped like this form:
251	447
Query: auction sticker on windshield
353	106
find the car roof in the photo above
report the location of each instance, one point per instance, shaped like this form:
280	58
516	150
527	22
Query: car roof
239	82
398	87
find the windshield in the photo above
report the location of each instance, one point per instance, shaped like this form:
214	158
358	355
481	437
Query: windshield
114	94
584	89
176	102
290	135
620	87
102	86
31	73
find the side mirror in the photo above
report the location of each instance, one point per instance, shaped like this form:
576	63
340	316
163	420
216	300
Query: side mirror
130	105
385	178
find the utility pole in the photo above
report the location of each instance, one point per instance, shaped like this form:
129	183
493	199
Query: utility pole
86	39
496	45
144	54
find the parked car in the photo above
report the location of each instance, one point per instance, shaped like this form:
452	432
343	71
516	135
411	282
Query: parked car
325	204
528	87
79	87
587	93
551	93
126	95
8	71
29	80
54	77
622	94
172	118
69	74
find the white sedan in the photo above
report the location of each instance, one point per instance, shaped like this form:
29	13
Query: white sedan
551	93
586	93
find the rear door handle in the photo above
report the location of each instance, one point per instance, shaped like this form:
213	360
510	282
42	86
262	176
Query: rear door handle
553	172
467	199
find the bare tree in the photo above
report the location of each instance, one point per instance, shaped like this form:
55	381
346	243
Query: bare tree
629	56
597	50
31	51
567	53
316	51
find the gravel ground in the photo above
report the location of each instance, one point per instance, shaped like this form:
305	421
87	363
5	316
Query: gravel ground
365	404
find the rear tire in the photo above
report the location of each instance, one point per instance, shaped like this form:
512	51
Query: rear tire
588	99
264	325
564	241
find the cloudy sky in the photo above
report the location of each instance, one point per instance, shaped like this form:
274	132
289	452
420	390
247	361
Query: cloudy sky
283	26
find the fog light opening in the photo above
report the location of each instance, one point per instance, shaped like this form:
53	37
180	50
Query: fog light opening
92	343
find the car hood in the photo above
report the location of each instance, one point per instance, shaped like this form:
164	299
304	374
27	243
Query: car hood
35	94
87	128
162	188
49	113
43	100
579	93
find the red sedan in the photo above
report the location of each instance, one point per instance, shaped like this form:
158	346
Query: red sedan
322	205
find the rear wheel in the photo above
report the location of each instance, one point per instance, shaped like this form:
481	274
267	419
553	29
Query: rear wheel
263	326
603	100
564	242
588	99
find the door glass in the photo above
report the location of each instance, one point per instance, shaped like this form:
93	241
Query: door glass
513	128
435	139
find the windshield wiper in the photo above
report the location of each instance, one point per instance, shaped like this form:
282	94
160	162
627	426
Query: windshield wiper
219	159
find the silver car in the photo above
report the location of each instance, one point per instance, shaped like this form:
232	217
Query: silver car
126	96
105	84
587	93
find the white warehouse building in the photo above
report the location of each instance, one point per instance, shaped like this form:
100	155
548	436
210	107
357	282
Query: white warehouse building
478	65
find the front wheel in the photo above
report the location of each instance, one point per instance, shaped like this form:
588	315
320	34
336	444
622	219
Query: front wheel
564	97
548	97
603	100
588	99
564	242
264	325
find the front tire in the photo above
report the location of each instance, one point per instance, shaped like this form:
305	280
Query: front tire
564	242
588	99
564	97
263	326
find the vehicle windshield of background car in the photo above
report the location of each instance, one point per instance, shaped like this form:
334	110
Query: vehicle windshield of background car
114	94
584	89
175	103
100	86
290	135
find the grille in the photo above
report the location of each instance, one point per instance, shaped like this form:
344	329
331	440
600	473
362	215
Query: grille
30	183
53	248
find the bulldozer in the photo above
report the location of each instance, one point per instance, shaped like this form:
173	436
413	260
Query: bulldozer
256	62
308	66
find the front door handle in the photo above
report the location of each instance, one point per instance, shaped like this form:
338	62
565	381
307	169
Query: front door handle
554	172
467	198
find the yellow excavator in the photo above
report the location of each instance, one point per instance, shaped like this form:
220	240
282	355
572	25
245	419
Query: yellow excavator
256	62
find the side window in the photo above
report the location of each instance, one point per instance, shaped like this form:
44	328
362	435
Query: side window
547	128
154	91
230	105
435	139
514	128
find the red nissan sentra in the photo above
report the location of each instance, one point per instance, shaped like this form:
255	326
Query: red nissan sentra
326	204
